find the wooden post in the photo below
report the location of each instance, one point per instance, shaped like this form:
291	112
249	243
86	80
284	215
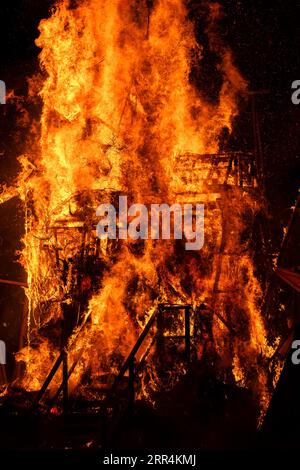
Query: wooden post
65	381
160	334
131	370
48	380
187	333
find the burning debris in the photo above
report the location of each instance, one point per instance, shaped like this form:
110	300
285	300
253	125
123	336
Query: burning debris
120	115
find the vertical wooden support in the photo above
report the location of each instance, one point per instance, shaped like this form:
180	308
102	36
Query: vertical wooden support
187	332
160	333
65	381
131	370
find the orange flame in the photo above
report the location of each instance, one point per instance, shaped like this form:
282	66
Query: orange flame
118	110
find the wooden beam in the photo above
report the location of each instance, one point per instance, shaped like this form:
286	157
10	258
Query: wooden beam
13	283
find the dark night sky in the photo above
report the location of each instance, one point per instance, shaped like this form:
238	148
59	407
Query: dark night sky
265	38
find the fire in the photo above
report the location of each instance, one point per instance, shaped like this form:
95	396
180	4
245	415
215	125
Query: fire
120	114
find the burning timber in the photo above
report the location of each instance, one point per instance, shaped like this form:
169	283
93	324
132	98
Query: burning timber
106	317
80	274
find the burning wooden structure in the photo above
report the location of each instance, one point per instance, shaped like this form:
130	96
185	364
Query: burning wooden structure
121	115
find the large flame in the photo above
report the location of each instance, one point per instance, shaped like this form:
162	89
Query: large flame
119	110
